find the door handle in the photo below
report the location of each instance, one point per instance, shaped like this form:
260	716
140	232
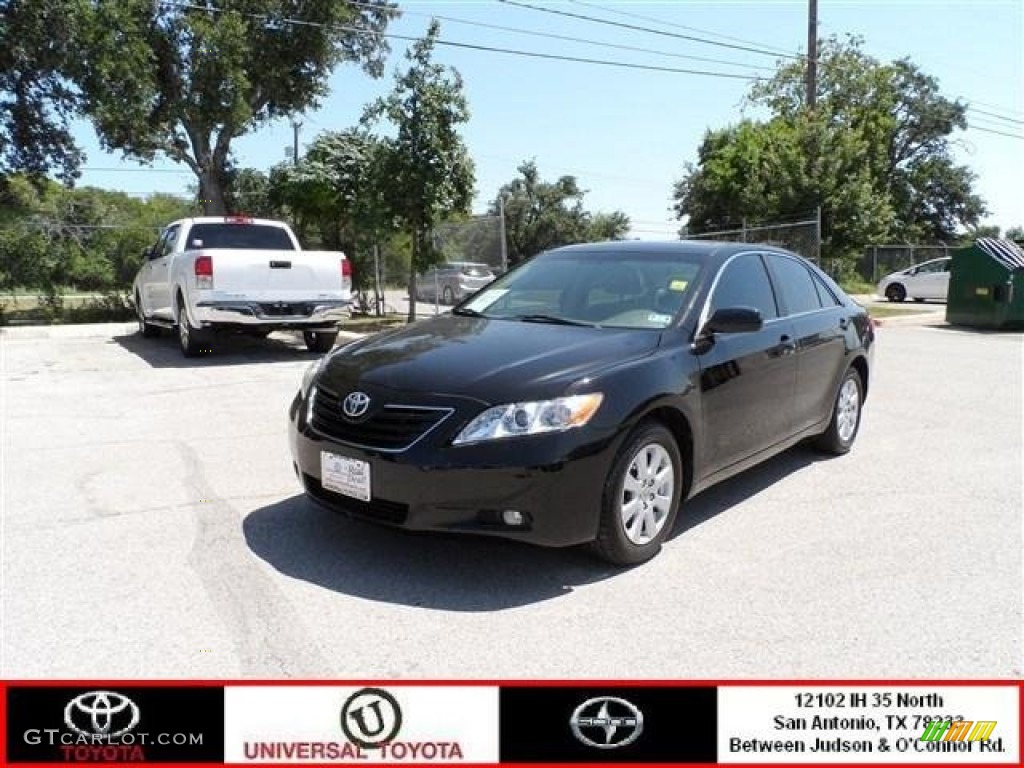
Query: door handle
786	345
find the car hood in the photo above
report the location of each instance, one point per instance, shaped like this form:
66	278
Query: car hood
488	360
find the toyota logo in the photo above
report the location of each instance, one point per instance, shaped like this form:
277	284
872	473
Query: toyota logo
607	722
101	713
355	404
371	717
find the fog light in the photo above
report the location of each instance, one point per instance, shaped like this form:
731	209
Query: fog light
512	517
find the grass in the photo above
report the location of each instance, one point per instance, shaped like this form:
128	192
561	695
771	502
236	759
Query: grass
895	311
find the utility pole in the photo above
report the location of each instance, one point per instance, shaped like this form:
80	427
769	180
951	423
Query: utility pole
504	245
812	54
295	141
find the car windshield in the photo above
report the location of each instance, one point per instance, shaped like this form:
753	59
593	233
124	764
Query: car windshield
600	288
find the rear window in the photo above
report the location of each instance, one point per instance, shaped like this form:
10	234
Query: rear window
251	237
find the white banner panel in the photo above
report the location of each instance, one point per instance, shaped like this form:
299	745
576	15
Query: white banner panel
863	724
333	724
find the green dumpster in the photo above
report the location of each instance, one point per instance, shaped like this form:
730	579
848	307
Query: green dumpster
986	285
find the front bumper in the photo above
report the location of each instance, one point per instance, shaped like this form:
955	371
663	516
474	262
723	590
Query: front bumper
291	314
555	481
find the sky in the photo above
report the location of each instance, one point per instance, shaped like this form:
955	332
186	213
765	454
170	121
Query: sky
626	134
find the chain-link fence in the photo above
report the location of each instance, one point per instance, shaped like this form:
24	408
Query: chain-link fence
803	237
881	260
479	239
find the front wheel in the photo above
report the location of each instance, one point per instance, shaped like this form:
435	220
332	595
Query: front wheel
641	497
320	341
146	329
842	429
896	293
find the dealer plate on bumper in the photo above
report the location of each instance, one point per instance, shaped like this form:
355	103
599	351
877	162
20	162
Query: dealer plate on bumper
350	477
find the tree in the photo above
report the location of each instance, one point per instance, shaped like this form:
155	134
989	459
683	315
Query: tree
248	192
1015	233
540	215
35	101
336	188
874	154
178	80
426	167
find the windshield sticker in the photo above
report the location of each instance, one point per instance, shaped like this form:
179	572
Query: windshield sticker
486	299
656	317
678	285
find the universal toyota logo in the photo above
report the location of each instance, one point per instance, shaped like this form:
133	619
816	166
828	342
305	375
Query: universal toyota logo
371	718
355	404
101	713
606	722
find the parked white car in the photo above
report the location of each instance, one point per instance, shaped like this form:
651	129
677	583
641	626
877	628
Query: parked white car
928	280
238	273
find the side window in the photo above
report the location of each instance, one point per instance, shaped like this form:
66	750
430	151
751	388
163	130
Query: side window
825	295
159	247
170	239
744	283
795	283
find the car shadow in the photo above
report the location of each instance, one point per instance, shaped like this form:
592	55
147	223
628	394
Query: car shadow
452	572
227	349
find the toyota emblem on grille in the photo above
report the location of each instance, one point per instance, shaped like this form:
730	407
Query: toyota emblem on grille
355	404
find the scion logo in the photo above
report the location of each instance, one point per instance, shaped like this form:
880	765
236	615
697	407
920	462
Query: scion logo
355	404
371	718
607	722
101	713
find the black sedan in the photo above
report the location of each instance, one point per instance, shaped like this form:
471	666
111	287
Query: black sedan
582	396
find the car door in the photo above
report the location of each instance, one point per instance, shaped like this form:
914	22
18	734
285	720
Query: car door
160	291
146	275
747	380
927	281
819	325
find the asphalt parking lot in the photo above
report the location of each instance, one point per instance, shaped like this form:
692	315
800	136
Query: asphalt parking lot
152	527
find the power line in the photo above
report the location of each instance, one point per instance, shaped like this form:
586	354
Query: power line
680	36
469	46
667	23
568	38
994	115
971	127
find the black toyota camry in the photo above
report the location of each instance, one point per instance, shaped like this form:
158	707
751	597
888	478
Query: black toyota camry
584	395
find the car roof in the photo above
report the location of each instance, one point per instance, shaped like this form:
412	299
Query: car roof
707	250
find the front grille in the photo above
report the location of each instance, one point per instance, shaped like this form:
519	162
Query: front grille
282	309
391	428
375	509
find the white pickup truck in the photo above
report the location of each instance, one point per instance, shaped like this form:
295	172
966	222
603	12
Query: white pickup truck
237	273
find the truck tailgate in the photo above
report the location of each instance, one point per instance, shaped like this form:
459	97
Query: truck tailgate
264	275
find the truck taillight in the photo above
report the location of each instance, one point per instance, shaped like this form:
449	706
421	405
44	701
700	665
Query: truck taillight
204	272
346	274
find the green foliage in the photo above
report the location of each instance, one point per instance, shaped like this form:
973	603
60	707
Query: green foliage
53	238
426	174
36	103
162	79
540	215
874	154
1015	233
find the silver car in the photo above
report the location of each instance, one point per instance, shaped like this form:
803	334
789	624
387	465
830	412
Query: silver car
451	282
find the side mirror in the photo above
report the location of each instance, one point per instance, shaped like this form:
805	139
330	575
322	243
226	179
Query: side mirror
147	254
734	320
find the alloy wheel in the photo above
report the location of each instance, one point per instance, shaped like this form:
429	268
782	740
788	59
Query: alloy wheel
647	492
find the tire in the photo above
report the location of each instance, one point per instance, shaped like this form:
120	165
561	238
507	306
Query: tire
896	293
624	537
844	424
448	296
146	330
320	341
193	341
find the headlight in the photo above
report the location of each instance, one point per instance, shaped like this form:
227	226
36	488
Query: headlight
515	419
310	374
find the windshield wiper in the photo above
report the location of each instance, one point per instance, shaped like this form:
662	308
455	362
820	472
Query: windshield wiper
555	319
467	312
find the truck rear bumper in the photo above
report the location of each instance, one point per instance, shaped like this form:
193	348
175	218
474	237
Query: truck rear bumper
291	314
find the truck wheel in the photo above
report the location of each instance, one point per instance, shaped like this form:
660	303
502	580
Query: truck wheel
320	341
193	341
148	330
